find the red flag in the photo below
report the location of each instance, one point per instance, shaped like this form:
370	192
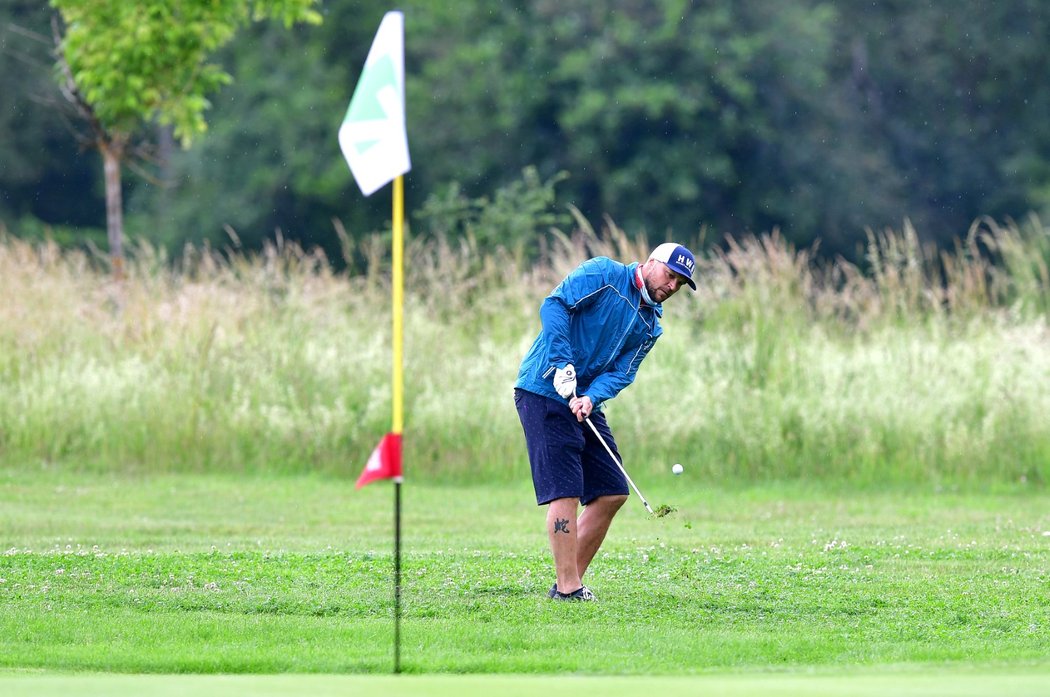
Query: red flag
385	462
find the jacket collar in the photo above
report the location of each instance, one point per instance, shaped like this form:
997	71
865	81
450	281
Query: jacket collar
643	296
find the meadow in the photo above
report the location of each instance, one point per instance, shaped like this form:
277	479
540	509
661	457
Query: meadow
920	368
865	450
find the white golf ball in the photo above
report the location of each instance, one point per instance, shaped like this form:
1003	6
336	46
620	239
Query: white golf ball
677	469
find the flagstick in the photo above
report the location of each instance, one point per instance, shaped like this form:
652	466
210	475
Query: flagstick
398	401
397	576
373	168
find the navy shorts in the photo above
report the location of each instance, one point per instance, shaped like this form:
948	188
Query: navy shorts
568	460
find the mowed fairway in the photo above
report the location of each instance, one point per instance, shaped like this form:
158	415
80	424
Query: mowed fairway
866	684
771	588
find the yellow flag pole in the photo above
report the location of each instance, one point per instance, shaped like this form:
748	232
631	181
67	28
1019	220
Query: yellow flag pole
398	394
399	294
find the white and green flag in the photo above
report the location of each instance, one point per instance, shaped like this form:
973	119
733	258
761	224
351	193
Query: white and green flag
373	136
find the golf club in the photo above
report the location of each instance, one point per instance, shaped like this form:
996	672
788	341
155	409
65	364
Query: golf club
617	461
609	450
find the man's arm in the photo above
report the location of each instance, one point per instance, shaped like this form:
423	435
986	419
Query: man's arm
620	375
554	315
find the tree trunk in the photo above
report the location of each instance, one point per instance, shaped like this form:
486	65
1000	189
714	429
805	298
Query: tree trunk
112	153
165	149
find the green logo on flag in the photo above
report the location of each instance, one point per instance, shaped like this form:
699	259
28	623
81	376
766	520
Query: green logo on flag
365	105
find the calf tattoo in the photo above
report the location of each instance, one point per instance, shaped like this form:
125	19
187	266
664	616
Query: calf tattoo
561	525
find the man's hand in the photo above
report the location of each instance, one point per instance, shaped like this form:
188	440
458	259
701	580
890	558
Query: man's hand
581	406
565	381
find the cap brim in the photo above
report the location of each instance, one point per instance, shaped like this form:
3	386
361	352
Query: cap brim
678	270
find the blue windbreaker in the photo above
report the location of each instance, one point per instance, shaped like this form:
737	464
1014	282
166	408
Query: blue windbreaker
596	320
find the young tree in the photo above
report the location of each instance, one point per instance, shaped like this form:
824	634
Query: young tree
123	65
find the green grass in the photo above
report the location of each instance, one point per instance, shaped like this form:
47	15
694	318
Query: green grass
213	574
864	508
966	683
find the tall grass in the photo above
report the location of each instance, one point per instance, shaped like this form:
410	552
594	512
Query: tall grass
917	366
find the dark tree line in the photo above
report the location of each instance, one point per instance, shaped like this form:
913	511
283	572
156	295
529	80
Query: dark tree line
669	116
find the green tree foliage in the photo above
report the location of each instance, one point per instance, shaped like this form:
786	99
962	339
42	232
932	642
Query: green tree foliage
823	119
135	62
669	116
515	216
125	64
271	160
954	99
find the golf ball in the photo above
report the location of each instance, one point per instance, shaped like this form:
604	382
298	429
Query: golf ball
677	469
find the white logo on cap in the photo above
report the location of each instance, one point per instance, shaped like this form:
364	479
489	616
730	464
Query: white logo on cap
685	261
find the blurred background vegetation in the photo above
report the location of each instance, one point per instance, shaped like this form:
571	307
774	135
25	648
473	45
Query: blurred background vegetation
693	120
932	369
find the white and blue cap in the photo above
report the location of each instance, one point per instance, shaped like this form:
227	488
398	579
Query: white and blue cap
678	259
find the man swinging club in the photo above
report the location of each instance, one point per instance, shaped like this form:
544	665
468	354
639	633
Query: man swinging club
598	325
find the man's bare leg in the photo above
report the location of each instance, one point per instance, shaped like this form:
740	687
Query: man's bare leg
592	526
562	532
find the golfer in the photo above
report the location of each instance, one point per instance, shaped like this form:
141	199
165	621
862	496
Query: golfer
598	326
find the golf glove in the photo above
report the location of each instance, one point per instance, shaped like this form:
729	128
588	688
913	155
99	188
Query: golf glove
565	381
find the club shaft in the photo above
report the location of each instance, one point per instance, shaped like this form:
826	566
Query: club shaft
617	461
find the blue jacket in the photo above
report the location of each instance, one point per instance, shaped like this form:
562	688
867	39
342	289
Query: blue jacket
596	320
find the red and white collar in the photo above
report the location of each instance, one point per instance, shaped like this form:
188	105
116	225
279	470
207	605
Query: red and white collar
639	283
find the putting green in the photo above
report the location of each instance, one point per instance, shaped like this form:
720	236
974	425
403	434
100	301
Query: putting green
903	681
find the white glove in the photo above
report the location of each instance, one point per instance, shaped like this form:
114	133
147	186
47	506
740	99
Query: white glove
565	381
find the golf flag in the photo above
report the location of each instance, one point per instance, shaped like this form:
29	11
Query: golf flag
375	144
385	462
373	136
